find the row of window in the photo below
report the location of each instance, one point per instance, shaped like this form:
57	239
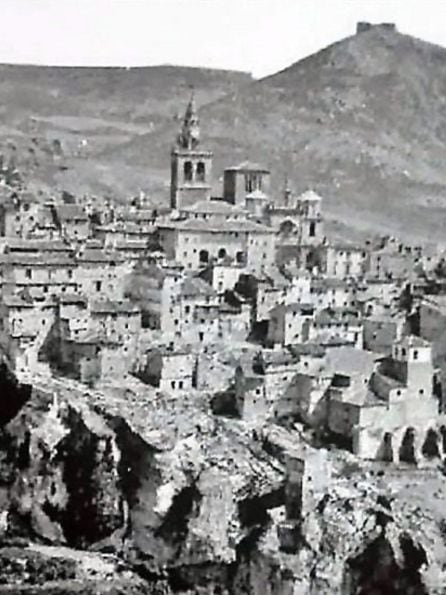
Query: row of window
29	273
188	170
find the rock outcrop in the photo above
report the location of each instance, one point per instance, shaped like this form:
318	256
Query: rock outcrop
158	495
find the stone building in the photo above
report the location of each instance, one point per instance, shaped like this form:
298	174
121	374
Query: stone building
375	297
300	228
191	165
101	273
216	211
393	260
337	324
169	368
250	395
21	215
72	221
263	384
244	180
24	328
40	274
290	323
307	483
195	243
344	260
328	292
381	331
222	276
99	341
389	413
274	288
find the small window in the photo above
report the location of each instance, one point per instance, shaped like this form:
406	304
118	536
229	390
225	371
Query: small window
180	384
188	171
28	273
201	171
415	354
98	285
172	384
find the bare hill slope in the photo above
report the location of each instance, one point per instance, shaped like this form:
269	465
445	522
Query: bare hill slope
362	121
56	120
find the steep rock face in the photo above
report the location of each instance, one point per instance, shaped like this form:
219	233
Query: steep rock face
61	467
368	534
193	503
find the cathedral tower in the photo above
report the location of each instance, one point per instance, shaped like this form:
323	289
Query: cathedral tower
191	166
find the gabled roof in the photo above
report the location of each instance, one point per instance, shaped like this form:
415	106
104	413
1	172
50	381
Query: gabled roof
195	286
257	195
99	255
68	212
213	207
248	166
350	361
36	259
309	195
241	226
413	341
113	307
36	245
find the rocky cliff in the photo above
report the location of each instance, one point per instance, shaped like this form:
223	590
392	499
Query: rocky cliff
126	490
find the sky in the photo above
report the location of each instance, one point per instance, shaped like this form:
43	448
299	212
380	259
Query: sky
258	36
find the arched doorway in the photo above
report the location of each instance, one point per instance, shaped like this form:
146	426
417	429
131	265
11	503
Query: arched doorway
287	228
203	256
385	452
312	260
222	253
407	448
430	446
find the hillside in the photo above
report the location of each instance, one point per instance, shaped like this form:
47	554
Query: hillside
362	121
55	121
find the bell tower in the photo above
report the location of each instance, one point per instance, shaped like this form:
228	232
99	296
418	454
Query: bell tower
191	166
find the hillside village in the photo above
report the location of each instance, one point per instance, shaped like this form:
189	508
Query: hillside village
252	373
241	296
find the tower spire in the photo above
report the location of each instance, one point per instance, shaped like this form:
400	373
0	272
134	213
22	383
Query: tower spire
189	137
286	191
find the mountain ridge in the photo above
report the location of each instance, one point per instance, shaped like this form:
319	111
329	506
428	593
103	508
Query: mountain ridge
362	121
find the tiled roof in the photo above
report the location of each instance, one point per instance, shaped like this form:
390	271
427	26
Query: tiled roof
69	212
309	195
98	255
257	195
350	361
248	166
413	341
213	207
195	286
241	226
36	245
26	259
109	306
